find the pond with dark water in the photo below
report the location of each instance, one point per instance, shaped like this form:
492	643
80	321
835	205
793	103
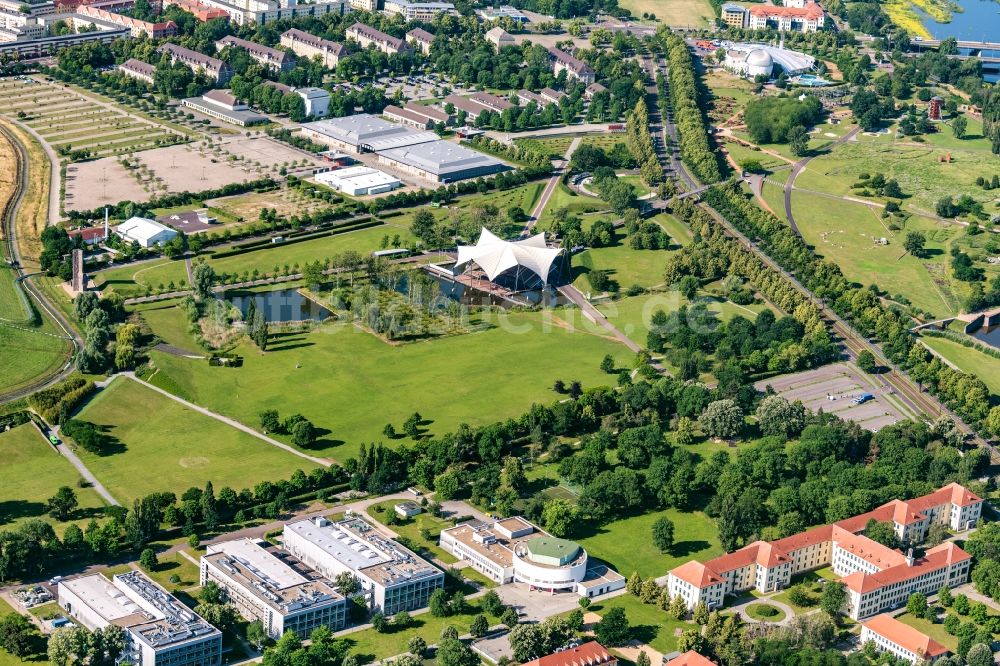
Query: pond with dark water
280	305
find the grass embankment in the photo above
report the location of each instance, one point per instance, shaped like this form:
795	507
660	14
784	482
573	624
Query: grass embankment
967	359
162	445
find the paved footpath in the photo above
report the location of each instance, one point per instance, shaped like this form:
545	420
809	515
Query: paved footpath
325	462
74	459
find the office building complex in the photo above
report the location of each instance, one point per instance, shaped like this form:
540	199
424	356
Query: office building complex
514	550
246	12
393	578
417	11
265	589
161	631
876	577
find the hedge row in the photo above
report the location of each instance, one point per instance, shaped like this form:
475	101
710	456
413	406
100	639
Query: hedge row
62	398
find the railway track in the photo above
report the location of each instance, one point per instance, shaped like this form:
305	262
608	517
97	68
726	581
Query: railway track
30	291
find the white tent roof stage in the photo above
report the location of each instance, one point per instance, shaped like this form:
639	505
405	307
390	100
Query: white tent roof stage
495	255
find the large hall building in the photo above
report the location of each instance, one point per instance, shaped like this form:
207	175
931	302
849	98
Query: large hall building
876	577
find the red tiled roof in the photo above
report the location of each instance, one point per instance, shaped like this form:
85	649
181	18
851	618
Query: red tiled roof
801	540
587	654
940	556
88	234
873	552
690	658
696	574
905	636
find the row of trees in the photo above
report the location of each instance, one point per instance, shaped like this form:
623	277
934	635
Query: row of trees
640	144
696	150
963	392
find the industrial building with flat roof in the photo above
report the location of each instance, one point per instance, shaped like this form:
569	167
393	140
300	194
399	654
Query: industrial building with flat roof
161	631
393	578
441	161
514	550
358	181
265	589
364	133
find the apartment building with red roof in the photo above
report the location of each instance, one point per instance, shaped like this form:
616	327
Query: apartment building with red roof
901	640
876	577
690	658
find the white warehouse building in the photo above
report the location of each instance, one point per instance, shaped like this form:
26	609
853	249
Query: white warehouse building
514	550
393	578
358	181
265	589
145	232
161	631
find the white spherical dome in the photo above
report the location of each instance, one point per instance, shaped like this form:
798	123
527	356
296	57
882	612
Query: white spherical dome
759	58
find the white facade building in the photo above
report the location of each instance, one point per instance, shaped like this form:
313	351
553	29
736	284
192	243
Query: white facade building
265	589
901	640
317	101
161	631
876	577
392	577
514	550
145	232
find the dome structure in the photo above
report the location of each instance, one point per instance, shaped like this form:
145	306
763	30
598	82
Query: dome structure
759	62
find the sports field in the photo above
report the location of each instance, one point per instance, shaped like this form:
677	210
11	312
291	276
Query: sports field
31	473
352	383
166	446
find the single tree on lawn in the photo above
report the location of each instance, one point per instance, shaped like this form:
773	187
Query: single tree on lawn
916	605
480	625
204	279
18	635
833	599
63	503
608	364
958	126
417	646
453	652
914	243
798	141
663	534
147	559
613	629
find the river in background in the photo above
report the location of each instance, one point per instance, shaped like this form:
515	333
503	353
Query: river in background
980	22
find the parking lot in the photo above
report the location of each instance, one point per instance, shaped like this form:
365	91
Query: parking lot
420	87
836	389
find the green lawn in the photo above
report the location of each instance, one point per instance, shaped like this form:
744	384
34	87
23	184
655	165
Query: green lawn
172	565
31	473
563	197
162	317
412	527
369	645
352	383
628	543
167	447
628	266
935	631
696	14
845	233
742	154
967	359
132	279
765	612
648	624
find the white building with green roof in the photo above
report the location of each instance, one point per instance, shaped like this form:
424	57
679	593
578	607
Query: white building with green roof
513	550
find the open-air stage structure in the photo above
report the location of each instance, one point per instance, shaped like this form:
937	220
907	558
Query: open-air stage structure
504	269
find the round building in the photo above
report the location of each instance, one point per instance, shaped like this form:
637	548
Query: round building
548	563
